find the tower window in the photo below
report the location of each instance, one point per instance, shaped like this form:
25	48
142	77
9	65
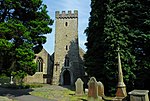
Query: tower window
66	61
66	47
66	24
39	65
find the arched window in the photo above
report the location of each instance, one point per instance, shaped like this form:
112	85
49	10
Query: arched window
66	61
39	64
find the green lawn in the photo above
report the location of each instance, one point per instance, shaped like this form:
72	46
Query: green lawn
5	99
60	95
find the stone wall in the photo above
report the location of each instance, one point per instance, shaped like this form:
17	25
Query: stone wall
36	78
46	75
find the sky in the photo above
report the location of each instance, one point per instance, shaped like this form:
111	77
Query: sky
83	7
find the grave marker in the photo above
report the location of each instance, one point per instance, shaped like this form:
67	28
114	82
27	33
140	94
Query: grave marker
93	90
100	89
79	87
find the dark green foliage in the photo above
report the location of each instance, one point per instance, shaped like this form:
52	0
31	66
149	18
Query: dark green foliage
23	24
135	16
118	24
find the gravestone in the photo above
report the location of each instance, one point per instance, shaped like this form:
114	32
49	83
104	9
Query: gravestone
139	95
100	89
11	80
79	87
93	90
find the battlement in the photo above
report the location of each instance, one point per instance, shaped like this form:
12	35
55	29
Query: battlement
62	15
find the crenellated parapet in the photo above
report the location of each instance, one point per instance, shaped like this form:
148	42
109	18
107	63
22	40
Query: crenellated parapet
66	15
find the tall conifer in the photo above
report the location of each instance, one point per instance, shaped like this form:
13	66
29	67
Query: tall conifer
116	24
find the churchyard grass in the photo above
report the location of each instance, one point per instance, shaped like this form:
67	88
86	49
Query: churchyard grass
62	94
6	99
106	98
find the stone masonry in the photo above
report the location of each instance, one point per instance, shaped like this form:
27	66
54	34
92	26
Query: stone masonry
45	75
67	61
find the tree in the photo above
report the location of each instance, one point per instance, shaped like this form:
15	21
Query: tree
94	57
135	15
110	27
23	24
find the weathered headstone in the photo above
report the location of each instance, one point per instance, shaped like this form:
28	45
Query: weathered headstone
93	90
79	87
100	89
139	95
11	80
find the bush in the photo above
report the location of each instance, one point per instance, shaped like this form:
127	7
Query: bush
4	79
23	86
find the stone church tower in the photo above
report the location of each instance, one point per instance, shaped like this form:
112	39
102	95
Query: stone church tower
67	61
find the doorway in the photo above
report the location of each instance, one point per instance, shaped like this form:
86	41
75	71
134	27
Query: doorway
66	78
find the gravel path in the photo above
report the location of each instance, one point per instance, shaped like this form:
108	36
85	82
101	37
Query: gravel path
24	94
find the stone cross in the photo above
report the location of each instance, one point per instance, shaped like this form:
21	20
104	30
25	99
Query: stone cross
100	89
92	90
79	87
57	64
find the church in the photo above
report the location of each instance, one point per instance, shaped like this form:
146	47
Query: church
65	65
